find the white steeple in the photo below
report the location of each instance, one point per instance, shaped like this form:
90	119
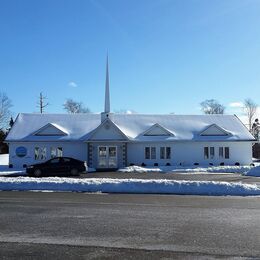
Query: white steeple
107	95
106	114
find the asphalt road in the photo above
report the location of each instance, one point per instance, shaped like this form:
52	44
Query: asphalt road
37	225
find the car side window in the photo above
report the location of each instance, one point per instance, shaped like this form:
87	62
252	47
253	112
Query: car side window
66	160
55	160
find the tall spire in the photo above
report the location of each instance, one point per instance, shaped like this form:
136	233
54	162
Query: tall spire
107	95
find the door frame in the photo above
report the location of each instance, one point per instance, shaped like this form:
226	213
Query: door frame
107	157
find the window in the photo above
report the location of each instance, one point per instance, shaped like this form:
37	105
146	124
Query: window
40	153
226	152
43	153
162	152
212	152
153	152
59	152
56	160
221	152
36	153
147	152
165	152
150	153
206	153
168	152
56	152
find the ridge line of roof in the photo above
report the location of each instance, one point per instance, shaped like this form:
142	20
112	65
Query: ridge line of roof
137	114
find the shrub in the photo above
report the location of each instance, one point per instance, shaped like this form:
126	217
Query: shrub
222	164
24	165
11	166
168	164
196	164
143	164
211	164
237	163
131	164
155	164
252	164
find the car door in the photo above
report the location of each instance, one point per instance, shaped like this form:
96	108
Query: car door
67	164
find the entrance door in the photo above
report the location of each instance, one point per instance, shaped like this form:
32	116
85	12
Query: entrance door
107	157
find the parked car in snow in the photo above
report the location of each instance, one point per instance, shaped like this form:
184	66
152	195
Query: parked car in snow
56	166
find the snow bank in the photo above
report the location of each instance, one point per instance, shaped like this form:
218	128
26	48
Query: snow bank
129	186
4	159
5	170
170	169
254	172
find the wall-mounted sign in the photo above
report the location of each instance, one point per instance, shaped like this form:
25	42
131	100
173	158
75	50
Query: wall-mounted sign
21	151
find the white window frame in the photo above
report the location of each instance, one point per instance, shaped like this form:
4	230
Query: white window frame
151	152
164	155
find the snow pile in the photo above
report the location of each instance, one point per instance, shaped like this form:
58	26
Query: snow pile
129	186
170	169
4	159
254	172
5	170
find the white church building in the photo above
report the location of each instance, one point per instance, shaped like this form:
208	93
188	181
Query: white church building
109	141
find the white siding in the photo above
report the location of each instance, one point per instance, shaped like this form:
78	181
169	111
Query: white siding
213	130
107	132
119	147
188	153
70	149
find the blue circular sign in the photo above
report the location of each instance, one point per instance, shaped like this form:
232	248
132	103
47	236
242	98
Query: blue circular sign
21	151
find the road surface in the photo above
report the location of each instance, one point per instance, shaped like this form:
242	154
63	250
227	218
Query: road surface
38	225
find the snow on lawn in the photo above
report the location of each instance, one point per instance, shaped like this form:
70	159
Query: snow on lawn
129	186
254	172
4	159
5	170
171	169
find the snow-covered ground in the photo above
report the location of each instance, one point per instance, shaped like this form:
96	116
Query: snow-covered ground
5	170
129	186
254	172
172	169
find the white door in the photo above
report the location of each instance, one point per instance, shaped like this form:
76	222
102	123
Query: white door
107	157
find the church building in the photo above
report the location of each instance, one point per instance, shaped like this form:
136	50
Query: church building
108	141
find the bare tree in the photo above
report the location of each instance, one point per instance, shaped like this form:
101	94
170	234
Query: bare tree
212	106
250	108
74	107
42	103
5	113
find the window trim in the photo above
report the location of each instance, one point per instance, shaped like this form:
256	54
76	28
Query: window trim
150	151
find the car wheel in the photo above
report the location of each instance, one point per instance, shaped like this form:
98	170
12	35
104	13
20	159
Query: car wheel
74	172
37	173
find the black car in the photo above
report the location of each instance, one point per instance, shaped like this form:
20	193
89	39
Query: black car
55	166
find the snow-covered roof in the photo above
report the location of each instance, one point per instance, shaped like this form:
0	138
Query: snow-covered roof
78	127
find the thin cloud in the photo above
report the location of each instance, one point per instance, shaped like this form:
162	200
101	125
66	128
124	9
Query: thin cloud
236	104
72	84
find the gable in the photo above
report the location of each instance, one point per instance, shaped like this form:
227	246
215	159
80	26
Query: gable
157	130
108	131
51	130
214	130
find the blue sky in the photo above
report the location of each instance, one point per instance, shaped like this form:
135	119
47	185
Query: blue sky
165	55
